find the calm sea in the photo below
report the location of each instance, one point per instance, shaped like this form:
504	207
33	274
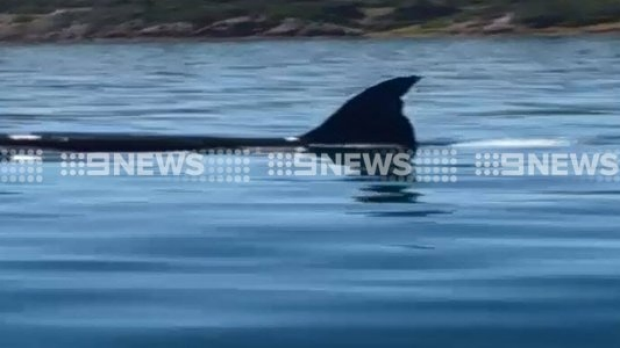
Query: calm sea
486	261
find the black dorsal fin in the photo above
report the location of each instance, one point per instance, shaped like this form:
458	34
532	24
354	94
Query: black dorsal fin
374	116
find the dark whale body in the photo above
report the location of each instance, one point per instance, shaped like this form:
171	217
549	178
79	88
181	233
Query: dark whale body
373	118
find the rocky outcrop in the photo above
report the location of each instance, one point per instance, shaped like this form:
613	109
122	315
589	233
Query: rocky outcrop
52	24
288	27
335	19
328	29
123	30
500	25
604	28
8	30
59	23
77	31
179	29
236	27
65	26
465	28
296	27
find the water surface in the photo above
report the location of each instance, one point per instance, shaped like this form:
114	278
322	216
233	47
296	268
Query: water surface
315	261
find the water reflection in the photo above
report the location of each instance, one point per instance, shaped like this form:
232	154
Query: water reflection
389	199
388	193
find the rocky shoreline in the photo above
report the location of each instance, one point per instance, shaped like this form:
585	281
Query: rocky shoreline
68	25
63	25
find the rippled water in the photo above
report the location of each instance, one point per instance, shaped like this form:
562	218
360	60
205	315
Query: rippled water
529	261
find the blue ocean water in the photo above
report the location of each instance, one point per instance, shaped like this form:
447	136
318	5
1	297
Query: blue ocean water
486	261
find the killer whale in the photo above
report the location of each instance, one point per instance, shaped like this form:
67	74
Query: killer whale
373	118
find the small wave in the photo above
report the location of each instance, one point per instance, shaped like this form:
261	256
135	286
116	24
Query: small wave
602	140
515	143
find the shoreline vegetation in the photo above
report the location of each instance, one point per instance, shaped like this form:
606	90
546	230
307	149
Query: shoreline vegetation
80	20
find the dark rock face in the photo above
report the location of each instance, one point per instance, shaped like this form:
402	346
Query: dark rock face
236	27
544	20
345	10
424	10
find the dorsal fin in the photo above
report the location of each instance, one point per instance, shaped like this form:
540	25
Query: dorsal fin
374	116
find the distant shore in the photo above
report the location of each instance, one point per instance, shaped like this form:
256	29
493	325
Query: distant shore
140	20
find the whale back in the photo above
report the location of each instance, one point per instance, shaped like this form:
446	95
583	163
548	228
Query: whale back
372	118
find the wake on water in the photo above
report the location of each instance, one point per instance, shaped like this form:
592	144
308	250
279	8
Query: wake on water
514	143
